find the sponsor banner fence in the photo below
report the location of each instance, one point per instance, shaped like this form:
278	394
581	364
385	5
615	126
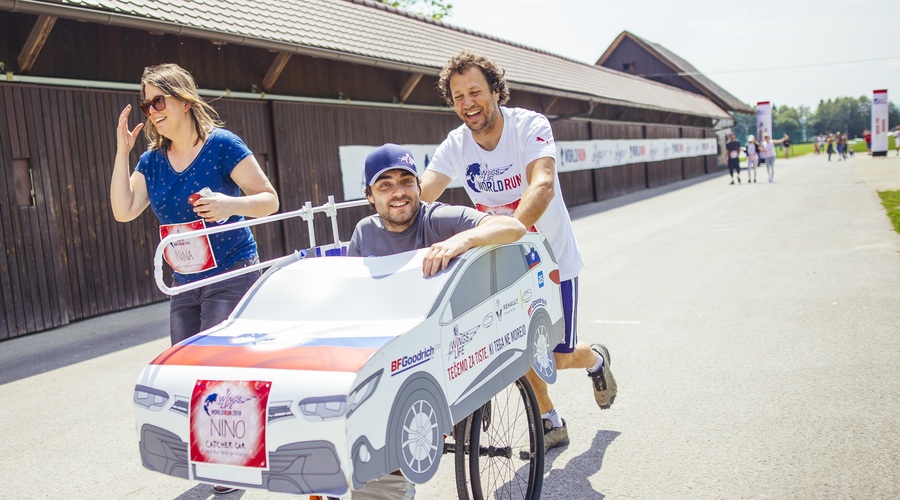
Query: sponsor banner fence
880	125
570	156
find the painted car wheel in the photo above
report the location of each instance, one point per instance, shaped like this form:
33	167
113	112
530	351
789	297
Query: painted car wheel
417	434
543	361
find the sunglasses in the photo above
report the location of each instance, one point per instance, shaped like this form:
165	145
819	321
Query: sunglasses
158	103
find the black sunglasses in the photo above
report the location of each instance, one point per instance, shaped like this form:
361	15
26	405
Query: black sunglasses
158	103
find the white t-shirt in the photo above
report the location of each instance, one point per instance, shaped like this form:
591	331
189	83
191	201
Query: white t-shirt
496	181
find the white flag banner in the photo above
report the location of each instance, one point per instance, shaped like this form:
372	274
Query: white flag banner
763	120
880	125
571	156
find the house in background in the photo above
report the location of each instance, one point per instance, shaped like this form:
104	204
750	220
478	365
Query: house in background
634	55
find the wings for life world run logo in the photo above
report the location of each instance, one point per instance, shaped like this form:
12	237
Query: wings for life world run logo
484	179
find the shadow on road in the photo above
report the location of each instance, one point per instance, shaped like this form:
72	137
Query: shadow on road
82	340
571	481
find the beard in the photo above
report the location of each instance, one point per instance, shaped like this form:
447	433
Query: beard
395	221
490	121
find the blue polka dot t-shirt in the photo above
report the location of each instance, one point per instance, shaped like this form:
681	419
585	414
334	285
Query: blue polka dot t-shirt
169	191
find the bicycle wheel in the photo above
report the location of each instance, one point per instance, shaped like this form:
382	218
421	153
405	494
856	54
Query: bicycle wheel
506	432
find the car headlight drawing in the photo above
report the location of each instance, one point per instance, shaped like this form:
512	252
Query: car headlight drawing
323	407
150	398
362	392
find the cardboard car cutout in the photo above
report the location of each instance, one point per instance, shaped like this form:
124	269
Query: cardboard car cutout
335	371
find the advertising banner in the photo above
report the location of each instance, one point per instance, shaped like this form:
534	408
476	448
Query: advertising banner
570	156
880	125
763	120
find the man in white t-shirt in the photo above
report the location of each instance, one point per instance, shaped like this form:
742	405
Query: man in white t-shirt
506	159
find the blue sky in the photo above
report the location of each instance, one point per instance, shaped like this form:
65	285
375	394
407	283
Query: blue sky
786	52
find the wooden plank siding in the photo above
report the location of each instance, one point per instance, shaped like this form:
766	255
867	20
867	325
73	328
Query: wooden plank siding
623	179
694	166
66	258
667	171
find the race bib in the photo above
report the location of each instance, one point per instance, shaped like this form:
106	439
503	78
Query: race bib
188	255
508	209
732	154
228	423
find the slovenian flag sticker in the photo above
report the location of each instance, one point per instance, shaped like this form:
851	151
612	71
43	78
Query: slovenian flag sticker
533	258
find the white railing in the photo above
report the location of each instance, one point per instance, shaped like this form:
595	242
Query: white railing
307	213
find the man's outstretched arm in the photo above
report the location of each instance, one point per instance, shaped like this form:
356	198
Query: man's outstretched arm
492	230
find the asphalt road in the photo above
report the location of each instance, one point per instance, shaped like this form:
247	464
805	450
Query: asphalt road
754	330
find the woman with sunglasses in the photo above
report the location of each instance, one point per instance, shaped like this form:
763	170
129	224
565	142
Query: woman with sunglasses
189	151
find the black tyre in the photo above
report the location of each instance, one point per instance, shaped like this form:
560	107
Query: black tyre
505	449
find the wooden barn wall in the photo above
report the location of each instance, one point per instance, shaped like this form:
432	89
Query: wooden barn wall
630	53
694	166
623	179
577	187
63	257
712	161
663	172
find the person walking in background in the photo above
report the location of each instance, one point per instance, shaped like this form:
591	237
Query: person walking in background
844	146
830	145
867	135
189	151
506	158
733	151
897	140
768	152
839	143
752	151
786	145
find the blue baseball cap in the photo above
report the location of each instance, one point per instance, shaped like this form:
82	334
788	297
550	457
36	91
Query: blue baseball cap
388	157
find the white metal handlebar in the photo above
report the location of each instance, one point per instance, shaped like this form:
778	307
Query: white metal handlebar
307	213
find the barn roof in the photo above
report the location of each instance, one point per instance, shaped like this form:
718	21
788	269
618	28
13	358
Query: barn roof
370	33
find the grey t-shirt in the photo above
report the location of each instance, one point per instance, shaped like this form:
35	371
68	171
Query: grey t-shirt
434	223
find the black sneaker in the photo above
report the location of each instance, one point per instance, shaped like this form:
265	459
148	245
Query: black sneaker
223	490
604	383
555	436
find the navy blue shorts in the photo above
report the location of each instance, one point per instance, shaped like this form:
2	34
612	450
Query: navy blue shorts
569	290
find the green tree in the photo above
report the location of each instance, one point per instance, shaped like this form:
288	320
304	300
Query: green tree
785	120
744	125
847	114
435	9
893	116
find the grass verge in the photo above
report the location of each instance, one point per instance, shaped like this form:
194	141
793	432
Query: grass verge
891	202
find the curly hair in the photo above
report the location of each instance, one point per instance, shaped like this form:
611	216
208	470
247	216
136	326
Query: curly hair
465	60
178	83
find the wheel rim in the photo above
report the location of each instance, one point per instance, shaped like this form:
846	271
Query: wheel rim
420	445
544	363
